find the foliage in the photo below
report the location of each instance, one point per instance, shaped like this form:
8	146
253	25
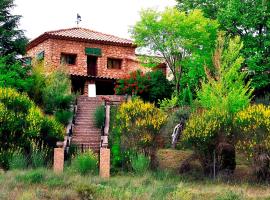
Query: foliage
115	140
226	88
179	115
56	94
85	162
221	97
18	160
168	104
12	40
38	156
253	125
229	195
99	116
32	177
139	123
140	163
250	20
63	116
15	75
151	86
22	123
184	40
86	192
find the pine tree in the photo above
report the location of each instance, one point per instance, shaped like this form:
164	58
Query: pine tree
12	39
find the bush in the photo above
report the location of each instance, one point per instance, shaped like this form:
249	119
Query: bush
38	157
229	195
23	124
151	86
56	94
99	116
140	163
253	126
86	162
181	115
32	177
139	124
86	192
18	161
63	116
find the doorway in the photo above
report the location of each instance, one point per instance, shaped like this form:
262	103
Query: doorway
77	85
91	65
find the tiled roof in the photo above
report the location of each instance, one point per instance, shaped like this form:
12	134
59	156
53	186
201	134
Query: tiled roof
94	77
81	34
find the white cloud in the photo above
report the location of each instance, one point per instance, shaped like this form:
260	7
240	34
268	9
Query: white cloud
112	17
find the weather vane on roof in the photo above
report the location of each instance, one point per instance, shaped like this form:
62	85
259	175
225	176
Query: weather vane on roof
79	19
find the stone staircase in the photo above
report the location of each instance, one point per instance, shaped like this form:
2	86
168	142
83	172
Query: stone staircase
85	134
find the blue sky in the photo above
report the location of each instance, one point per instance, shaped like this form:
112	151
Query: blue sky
112	17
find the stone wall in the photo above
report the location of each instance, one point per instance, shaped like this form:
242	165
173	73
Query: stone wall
54	47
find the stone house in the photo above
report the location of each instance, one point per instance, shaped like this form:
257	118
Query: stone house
94	60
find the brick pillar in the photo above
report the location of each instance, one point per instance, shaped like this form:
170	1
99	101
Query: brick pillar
58	160
104	164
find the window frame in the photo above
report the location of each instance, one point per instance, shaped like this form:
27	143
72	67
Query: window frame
112	60
66	58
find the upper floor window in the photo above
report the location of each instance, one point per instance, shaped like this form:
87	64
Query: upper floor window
68	59
114	63
40	55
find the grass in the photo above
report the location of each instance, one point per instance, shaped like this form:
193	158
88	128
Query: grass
162	184
44	184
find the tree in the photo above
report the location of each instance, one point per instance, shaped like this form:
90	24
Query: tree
12	40
185	41
249	19
14	75
220	99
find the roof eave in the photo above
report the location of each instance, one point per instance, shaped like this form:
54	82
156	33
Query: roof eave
46	36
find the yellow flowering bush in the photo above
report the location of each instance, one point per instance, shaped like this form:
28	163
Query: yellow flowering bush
253	125
21	123
139	122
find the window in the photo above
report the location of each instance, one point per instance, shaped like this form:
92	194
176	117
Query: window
40	55
68	59
114	63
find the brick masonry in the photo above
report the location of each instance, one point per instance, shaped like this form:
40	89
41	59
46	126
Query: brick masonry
104	165
58	161
54	47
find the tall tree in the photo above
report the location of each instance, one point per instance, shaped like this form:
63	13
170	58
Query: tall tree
12	39
185	41
249	19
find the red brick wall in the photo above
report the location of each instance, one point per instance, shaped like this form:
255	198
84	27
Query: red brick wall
54	47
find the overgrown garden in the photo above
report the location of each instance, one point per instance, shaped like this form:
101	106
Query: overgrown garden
216	91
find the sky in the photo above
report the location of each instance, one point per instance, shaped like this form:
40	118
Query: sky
108	16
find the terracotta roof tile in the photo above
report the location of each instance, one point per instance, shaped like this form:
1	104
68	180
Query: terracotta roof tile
81	34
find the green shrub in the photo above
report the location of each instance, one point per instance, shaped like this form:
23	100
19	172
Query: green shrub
38	157
86	192
151	86
85	163
18	161
229	195
23	124
180	115
55	181
63	116
99	116
140	163
32	177
56	93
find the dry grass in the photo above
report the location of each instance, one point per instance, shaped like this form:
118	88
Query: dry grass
161	185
